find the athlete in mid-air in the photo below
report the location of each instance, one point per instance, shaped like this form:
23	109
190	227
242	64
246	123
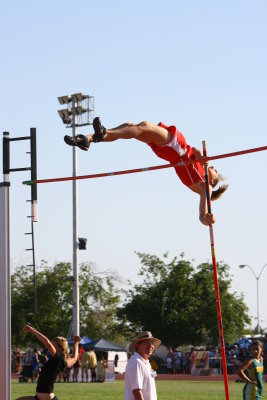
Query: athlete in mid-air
169	144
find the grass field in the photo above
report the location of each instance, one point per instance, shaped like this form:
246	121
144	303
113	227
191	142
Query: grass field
167	390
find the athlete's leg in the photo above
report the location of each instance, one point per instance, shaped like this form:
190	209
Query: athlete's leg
82	372
127	124
144	131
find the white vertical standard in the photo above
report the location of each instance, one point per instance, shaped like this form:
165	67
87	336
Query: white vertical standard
5	303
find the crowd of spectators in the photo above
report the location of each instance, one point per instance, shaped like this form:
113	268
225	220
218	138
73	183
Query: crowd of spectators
181	362
28	364
178	361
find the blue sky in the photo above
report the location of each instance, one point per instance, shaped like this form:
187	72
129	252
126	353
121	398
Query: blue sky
200	65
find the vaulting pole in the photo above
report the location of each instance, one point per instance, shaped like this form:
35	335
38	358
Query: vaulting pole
216	284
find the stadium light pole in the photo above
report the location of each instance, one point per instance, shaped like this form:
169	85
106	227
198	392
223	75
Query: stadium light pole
257	280
77	113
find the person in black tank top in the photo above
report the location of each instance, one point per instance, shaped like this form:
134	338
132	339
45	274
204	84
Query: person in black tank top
58	361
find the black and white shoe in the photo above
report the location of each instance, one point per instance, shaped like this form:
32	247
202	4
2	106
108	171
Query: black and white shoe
80	141
99	129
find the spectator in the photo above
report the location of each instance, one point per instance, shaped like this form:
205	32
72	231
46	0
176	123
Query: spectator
178	360
139	376
216	361
235	350
84	364
170	361
101	370
13	362
66	374
35	364
186	363
92	363
18	360
76	369
27	371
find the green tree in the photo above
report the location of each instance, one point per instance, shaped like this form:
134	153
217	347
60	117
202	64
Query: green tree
177	302
99	298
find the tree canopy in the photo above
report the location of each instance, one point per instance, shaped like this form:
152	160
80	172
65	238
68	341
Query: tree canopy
177	302
99	299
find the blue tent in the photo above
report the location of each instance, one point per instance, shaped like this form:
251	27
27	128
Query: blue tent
85	340
102	345
244	342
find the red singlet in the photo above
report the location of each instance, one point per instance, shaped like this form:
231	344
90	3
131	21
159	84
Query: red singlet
173	152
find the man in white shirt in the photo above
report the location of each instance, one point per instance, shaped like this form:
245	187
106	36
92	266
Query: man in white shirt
139	376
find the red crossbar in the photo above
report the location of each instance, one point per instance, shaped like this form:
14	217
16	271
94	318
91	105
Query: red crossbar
133	171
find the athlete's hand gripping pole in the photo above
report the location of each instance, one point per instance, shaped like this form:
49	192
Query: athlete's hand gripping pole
215	276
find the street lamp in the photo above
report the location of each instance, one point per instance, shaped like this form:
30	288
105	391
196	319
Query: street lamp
257	279
78	113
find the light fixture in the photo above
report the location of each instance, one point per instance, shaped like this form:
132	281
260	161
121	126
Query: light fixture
78	110
67	121
64	99
257	291
65	113
78	97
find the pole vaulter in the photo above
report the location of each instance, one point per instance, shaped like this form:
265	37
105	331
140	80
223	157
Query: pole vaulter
215	277
145	169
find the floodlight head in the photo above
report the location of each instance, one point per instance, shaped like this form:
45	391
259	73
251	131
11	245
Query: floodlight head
78	97
67	121
64	99
65	113
65	116
242	266
78	110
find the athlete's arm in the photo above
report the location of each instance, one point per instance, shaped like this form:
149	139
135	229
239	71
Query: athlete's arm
72	361
242	369
43	339
205	217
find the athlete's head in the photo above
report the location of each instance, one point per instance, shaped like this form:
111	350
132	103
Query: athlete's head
256	348
61	345
214	179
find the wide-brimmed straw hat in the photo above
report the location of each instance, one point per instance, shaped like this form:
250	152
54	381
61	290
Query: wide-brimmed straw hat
146	335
